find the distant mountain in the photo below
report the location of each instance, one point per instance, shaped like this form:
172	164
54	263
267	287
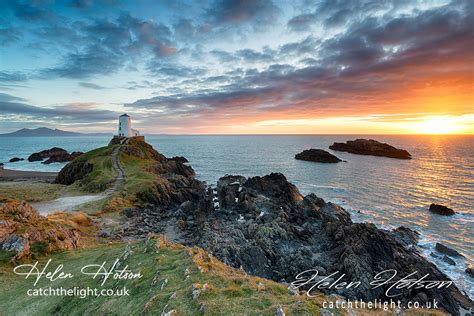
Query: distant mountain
48	132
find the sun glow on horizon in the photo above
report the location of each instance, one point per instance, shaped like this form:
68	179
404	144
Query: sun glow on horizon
443	125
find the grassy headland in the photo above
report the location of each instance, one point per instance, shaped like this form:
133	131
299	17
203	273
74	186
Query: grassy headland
170	275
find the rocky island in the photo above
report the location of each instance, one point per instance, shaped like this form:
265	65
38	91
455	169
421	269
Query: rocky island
317	155
371	147
262	225
54	154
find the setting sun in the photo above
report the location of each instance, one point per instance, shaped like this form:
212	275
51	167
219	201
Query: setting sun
442	125
438	126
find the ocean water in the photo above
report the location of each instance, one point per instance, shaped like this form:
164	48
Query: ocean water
388	192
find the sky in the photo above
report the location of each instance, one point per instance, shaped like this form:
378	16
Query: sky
238	67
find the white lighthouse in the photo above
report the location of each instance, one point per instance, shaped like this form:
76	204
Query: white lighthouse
125	127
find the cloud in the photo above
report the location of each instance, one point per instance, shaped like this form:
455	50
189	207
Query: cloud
30	12
81	4
378	64
107	46
302	22
73	113
260	12
12	76
90	85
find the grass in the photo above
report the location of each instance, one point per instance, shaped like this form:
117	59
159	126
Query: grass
228	291
102	173
31	191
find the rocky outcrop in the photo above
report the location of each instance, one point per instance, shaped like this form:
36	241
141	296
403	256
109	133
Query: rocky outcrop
179	159
54	154
371	147
39	156
72	172
447	251
441	210
470	271
317	155
16	159
266	227
25	233
63	157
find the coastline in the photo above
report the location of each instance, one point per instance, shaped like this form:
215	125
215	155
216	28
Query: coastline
19	175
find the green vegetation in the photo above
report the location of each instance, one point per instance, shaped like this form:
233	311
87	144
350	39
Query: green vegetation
227	291
31	191
102	173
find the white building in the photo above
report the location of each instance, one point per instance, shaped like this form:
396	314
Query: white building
125	127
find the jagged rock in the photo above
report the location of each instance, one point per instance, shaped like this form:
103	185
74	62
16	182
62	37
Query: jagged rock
24	231
449	260
15	159
74	171
55	151
371	147
441	209
14	243
447	251
63	157
179	159
317	155
470	271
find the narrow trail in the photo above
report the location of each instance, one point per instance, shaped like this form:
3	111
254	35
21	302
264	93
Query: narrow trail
70	203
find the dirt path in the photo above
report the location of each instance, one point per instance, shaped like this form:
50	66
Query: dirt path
70	203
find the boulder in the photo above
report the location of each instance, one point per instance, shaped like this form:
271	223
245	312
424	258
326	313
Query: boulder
470	271
449	260
39	156
75	154
15	159
441	209
371	147
24	232
76	170
447	251
179	159
62	157
317	155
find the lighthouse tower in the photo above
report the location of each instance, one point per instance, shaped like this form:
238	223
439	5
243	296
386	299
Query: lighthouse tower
126	132
125	126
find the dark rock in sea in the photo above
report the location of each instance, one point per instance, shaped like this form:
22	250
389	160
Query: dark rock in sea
449	260
447	251
371	147
265	226
2	164
39	156
406	236
54	155
317	155
179	159
62	157
75	154
432	254
15	159
441	210
470	271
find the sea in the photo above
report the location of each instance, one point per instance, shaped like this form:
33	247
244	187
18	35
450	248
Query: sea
387	192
